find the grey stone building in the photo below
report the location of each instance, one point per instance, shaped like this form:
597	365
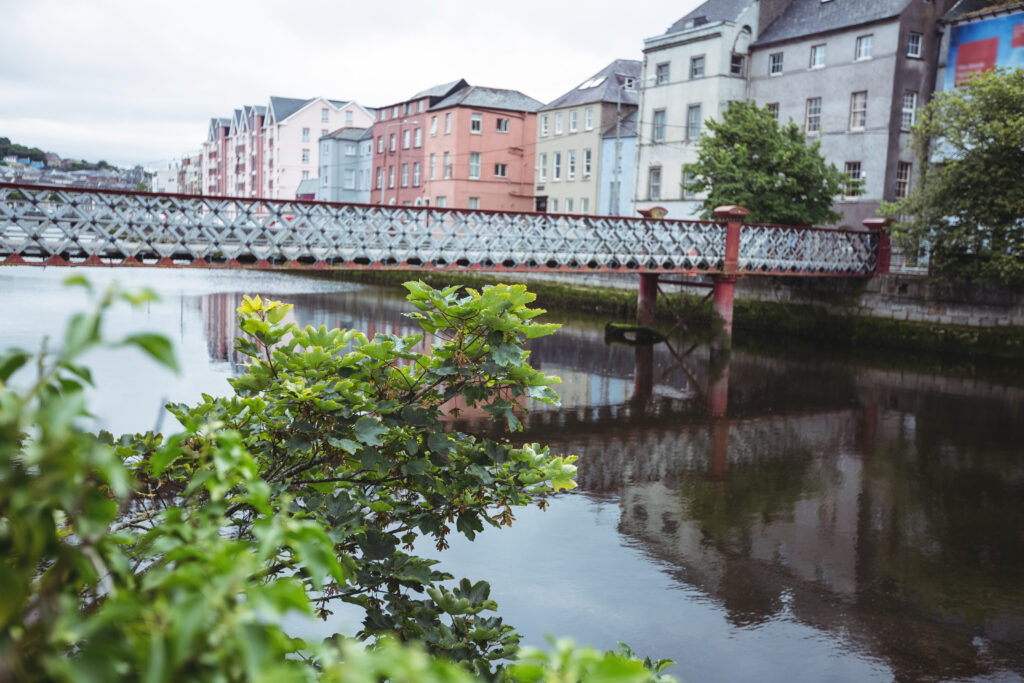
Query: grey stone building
853	74
346	160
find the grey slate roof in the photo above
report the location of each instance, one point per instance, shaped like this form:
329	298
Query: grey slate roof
710	11
489	98
307	186
283	107
808	17
965	7
607	90
442	90
626	130
353	134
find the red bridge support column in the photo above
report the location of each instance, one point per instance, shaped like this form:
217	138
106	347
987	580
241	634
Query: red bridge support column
879	225
724	284
647	299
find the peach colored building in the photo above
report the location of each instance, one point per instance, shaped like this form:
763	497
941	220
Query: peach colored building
479	150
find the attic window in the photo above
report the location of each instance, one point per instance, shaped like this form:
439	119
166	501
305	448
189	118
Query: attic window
700	21
592	83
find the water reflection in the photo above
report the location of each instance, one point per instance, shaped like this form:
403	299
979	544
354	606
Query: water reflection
753	516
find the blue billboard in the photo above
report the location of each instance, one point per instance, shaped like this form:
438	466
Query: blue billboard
984	45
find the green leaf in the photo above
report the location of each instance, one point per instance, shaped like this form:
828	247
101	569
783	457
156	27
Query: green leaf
369	431
157	346
11	361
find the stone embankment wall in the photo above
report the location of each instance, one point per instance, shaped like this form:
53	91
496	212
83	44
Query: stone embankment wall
891	297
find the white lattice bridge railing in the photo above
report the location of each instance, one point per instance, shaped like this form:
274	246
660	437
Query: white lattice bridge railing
67	226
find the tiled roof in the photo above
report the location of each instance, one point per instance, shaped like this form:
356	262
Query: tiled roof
809	17
712	10
626	130
283	107
442	90
489	98
354	134
963	8
603	86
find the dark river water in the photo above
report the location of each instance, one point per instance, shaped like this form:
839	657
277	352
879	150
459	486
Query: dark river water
792	516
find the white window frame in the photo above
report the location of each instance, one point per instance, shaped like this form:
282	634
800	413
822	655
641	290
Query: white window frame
819	53
773	109
501	170
854	171
473	204
812	114
433	125
476	124
693	129
447	165
474	165
588	118
558	123
775	64
864	47
501	125
305	134
859	110
658	125
543	125
350	179
542	167
416	174
417	137
448	122
903	173
587	162
915	42
574	119
908	113
405	138
556	166
350	149
405	175
661	73
654	183
570	165
698	64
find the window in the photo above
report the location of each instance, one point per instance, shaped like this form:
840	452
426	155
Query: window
417	137
554	205
863	48
350	179
405	139
630	83
693	120
568	205
420	105
405	108
817	56
433	165
394	112
654	183
773	109
544	125
502	126
474	165
433	125
448	123
585	205
501	170
416	174
813	124
658	126
697	66
775	64
447	165
350	149
393	142
661	74
391	176
556	170
586	162
853	172
325	114
380	177
570	171
476	123
588	118
380	144
858	110
348	118
542	167
909	114
914	44
305	155
738	65
558	123
574	117
323	133
687	179
902	179
305	175
474	202
305	134
441	202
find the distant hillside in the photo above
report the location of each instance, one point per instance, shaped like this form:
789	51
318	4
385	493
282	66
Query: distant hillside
51	160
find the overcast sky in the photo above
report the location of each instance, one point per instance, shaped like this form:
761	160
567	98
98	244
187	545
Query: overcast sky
137	81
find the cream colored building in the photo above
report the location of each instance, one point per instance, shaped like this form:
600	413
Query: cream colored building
569	132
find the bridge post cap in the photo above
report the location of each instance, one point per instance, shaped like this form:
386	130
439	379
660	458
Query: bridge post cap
732	211
876	223
653	212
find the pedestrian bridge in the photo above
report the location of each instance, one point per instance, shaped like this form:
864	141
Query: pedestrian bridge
41	225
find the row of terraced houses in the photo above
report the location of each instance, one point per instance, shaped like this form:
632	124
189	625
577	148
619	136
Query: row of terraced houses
852	73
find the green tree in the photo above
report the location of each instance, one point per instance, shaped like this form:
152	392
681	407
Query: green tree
171	558
967	204
748	158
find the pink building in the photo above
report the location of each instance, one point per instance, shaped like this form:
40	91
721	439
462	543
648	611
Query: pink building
479	150
398	159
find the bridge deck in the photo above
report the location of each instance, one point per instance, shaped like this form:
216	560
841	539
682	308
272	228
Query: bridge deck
68	226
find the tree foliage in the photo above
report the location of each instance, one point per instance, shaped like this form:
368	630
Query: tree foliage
748	158
8	148
967	205
178	557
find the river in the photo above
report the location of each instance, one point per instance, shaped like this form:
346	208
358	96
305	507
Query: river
789	517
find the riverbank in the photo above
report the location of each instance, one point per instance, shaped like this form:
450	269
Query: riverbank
815	311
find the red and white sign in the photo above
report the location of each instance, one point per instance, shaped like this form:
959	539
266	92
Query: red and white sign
976	57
